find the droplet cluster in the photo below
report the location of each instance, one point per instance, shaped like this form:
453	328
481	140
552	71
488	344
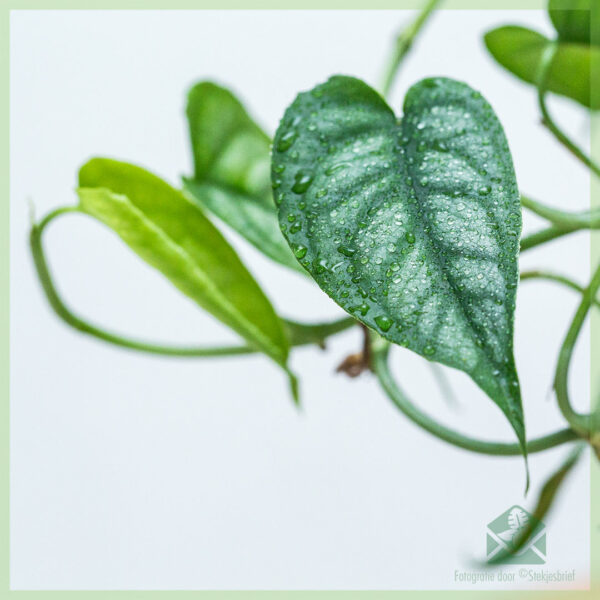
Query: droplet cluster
411	225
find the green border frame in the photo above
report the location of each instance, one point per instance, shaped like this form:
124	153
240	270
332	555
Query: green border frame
7	6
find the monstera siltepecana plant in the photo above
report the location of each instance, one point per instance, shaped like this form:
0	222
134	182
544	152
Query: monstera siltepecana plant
410	222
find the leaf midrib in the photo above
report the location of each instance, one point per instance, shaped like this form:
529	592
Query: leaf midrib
437	254
204	280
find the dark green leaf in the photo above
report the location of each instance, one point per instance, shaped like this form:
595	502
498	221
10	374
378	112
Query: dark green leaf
231	169
573	68
172	235
413	226
572	19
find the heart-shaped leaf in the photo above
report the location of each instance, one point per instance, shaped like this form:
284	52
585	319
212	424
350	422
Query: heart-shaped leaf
231	169
574	66
411	226
172	235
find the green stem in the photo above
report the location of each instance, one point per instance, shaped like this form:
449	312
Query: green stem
563	138
545	235
381	368
525	275
579	422
403	44
563	223
300	333
589	219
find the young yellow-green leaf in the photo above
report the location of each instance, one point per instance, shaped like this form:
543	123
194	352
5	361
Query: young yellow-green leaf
411	226
172	235
231	169
572	19
573	68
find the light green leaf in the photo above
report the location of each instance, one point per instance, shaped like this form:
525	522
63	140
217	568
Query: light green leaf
572	19
172	235
573	68
231	169
412	226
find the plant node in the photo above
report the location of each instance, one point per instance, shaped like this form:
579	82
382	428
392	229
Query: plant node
355	364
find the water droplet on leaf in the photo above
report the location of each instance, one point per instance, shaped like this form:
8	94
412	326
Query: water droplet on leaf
346	251
286	140
300	251
384	323
302	181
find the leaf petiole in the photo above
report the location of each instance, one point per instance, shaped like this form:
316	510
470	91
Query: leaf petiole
563	223
563	138
546	235
578	421
402	45
526	275
299	333
401	401
589	219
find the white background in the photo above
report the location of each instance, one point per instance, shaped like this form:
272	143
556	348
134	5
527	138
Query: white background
131	471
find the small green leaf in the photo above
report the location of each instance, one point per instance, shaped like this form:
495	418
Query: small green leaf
413	226
572	19
231	169
172	235
573	68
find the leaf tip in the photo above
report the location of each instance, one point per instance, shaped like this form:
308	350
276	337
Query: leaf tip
294	388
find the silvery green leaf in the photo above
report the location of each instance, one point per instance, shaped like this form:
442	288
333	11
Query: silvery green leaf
412	225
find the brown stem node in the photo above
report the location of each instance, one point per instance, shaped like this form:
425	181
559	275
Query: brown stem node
355	364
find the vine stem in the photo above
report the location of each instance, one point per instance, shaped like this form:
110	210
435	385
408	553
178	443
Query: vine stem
545	235
579	422
380	364
563	138
563	223
401	401
588	219
527	275
402	45
299	333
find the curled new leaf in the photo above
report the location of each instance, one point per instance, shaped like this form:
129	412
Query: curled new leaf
231	169
411	226
171	234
